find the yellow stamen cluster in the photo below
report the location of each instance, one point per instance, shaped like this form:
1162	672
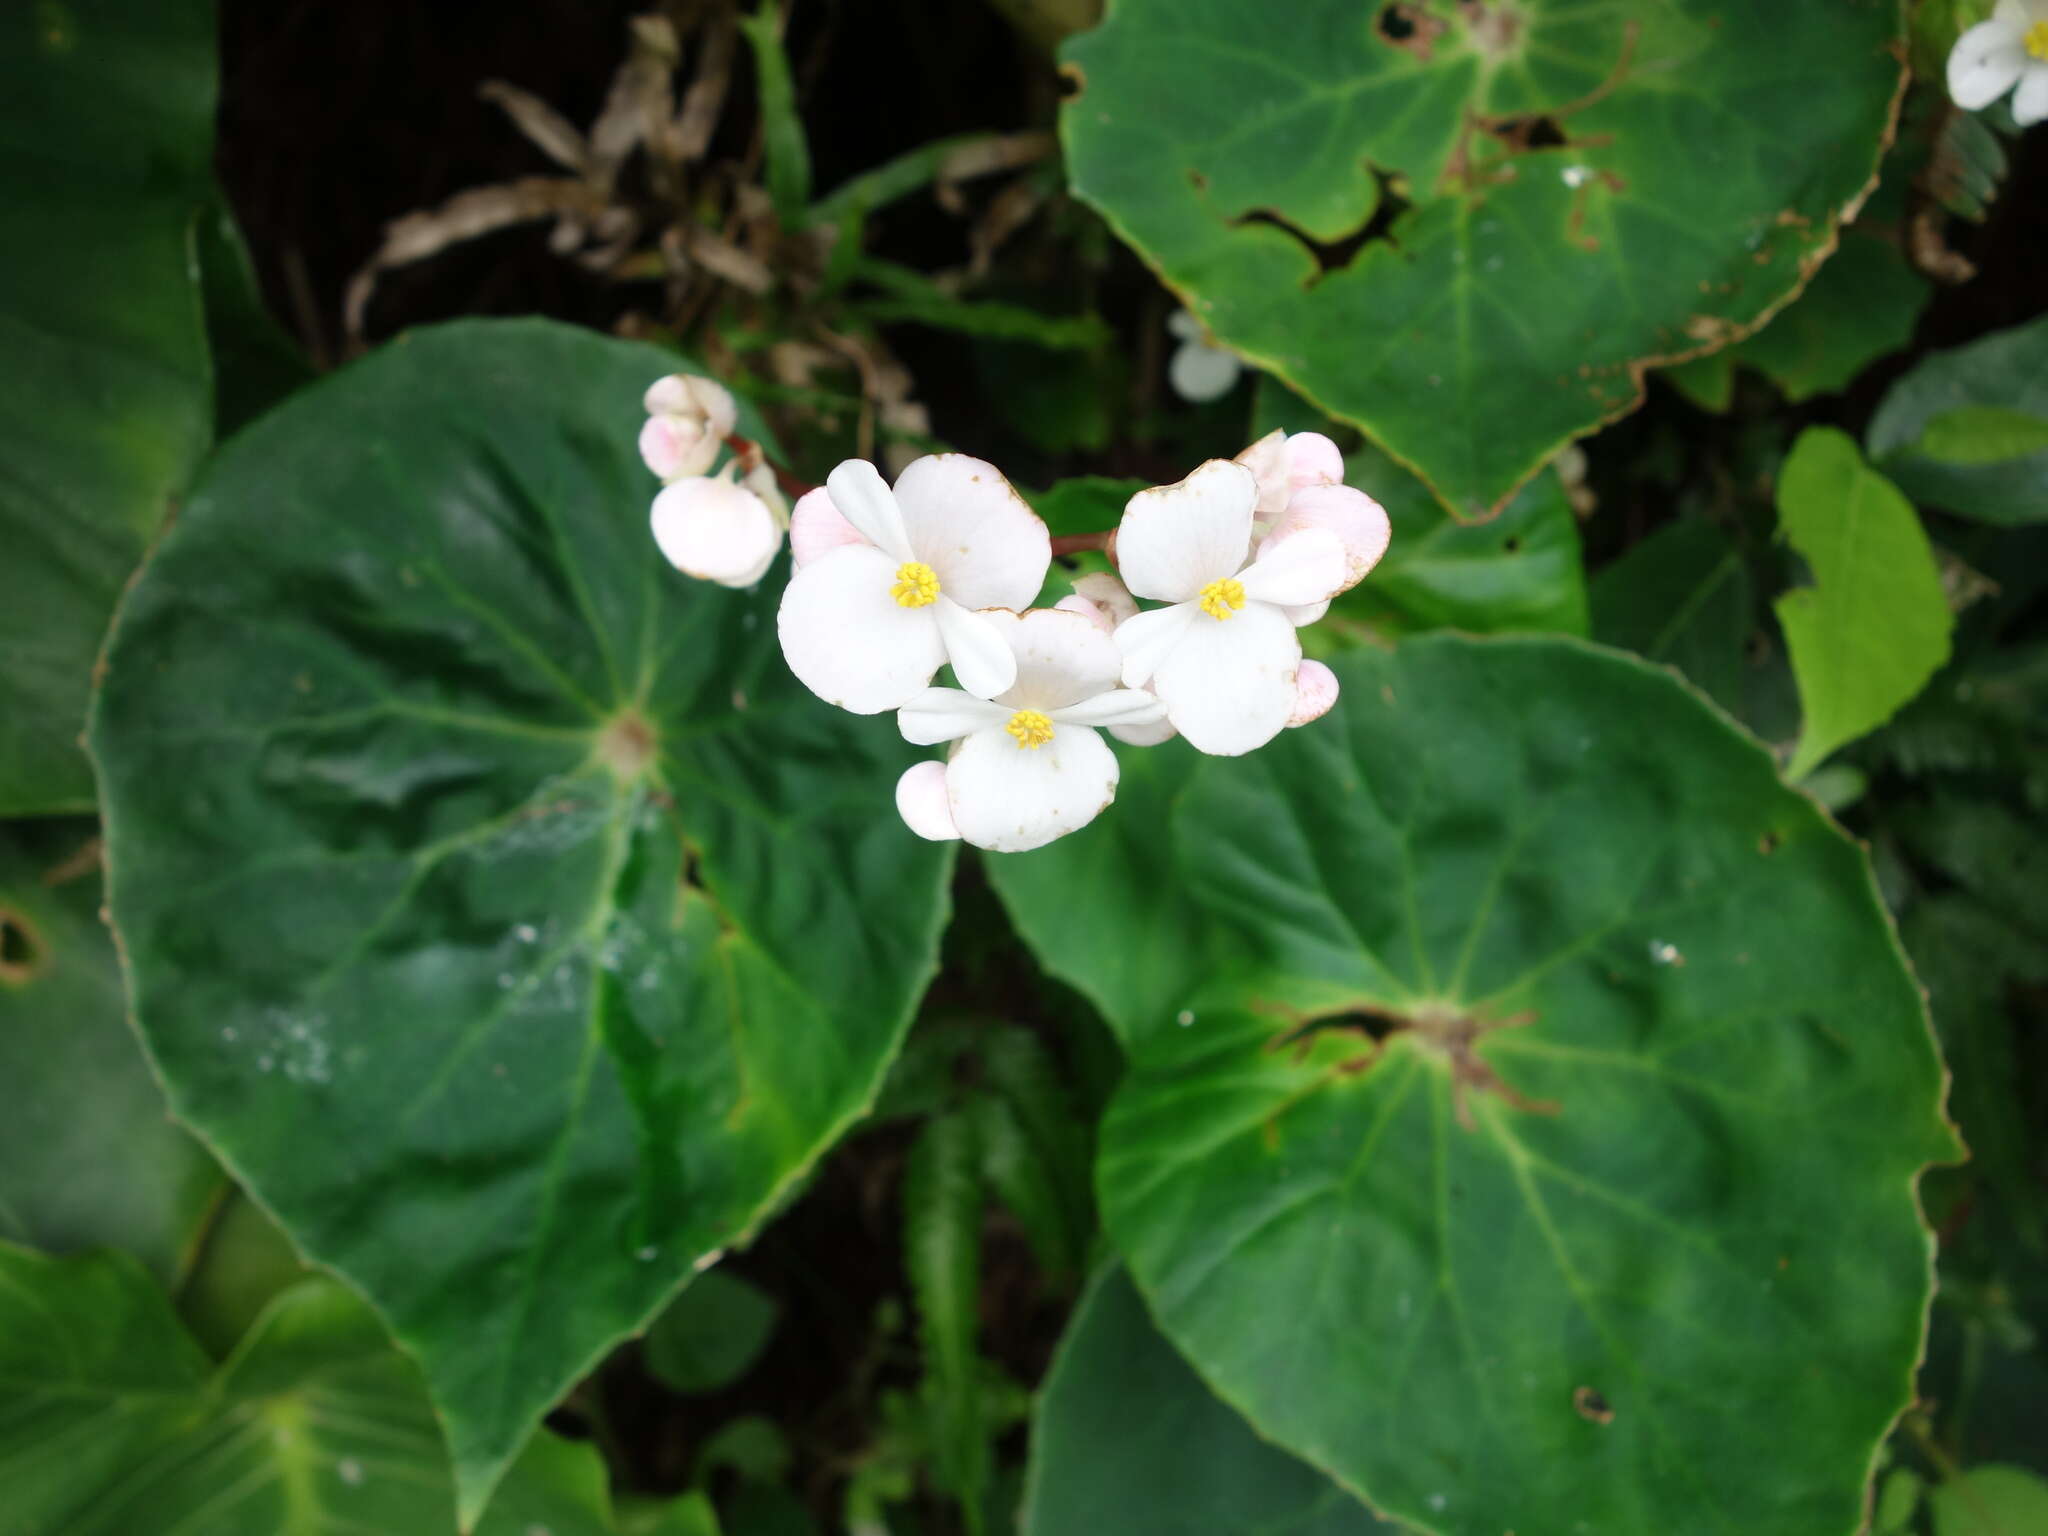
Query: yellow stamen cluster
1028	728
2037	40
1221	598
917	585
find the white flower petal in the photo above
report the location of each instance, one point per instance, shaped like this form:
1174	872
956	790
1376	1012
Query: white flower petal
922	802
862	497
1109	595
816	528
1145	638
1009	798
848	640
1985	63
1160	731
1062	657
1304	567
716	531
976	646
947	714
1183	326
1175	539
1094	613
1312	459
1352	515
1267	460
1229	685
2030	101
675	449
962	519
1301	615
1200	372
1119	706
692	397
1315	691
2019	14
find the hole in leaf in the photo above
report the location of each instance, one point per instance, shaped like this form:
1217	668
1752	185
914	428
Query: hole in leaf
1768	844
1512	544
1334	255
21	947
1591	1406
1410	28
1521	133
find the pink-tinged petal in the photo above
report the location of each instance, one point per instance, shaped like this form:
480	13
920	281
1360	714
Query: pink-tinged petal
962	519
922	802
1200	372
1062	656
1009	798
715	531
849	641
1985	63
1229	685
1267	460
947	714
1146	638
695	398
1153	735
863	498
1315	690
1119	706
673	449
1312	459
1092	612
1352	515
976	646
816	528
1304	567
2030	101
1175	539
1301	615
1108	594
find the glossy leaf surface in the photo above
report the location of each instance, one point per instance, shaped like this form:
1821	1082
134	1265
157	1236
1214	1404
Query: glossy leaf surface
1555	1093
495	903
1467	229
106	133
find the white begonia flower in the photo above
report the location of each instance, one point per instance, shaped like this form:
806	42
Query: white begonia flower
1199	370
709	527
1106	602
1224	655
688	421
1301	485
1285	462
2011	49
866	622
1027	766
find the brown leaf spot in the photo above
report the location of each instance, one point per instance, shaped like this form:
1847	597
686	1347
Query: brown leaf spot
1591	1406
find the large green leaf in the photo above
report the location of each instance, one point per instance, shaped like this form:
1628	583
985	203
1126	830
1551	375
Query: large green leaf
106	132
1542	1139
1874	626
1509	288
88	1154
113	1423
494	902
1682	596
1967	430
1127	1439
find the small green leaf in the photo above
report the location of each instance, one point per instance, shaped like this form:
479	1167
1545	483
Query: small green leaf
514	925
1018	1177
1538	1015
1874	627
255	364
782	129
1469	229
88	1154
1898	1501
1967	429
708	1336
1991	1501
1683	596
106	401
942	1205
1127	1439
1860	306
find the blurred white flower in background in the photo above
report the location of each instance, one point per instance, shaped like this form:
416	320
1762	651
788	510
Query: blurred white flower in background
1199	370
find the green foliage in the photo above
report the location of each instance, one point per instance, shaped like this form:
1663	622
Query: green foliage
1127	1439
1860	306
488	890
782	131
1991	1501
88	1155
1875	625
1507	295
942	1257
1491	1075
1967	430
106	133
1682	596
710	1335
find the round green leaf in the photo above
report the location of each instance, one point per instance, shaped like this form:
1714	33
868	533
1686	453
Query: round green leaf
708	1336
1543	1141
1967	429
88	1154
493	899
1127	1439
106	134
1469	229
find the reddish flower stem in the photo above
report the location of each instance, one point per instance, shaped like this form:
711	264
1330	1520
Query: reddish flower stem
749	453
1074	543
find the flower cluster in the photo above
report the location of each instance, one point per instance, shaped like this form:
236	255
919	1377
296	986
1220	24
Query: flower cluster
725	527
2007	53
891	584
